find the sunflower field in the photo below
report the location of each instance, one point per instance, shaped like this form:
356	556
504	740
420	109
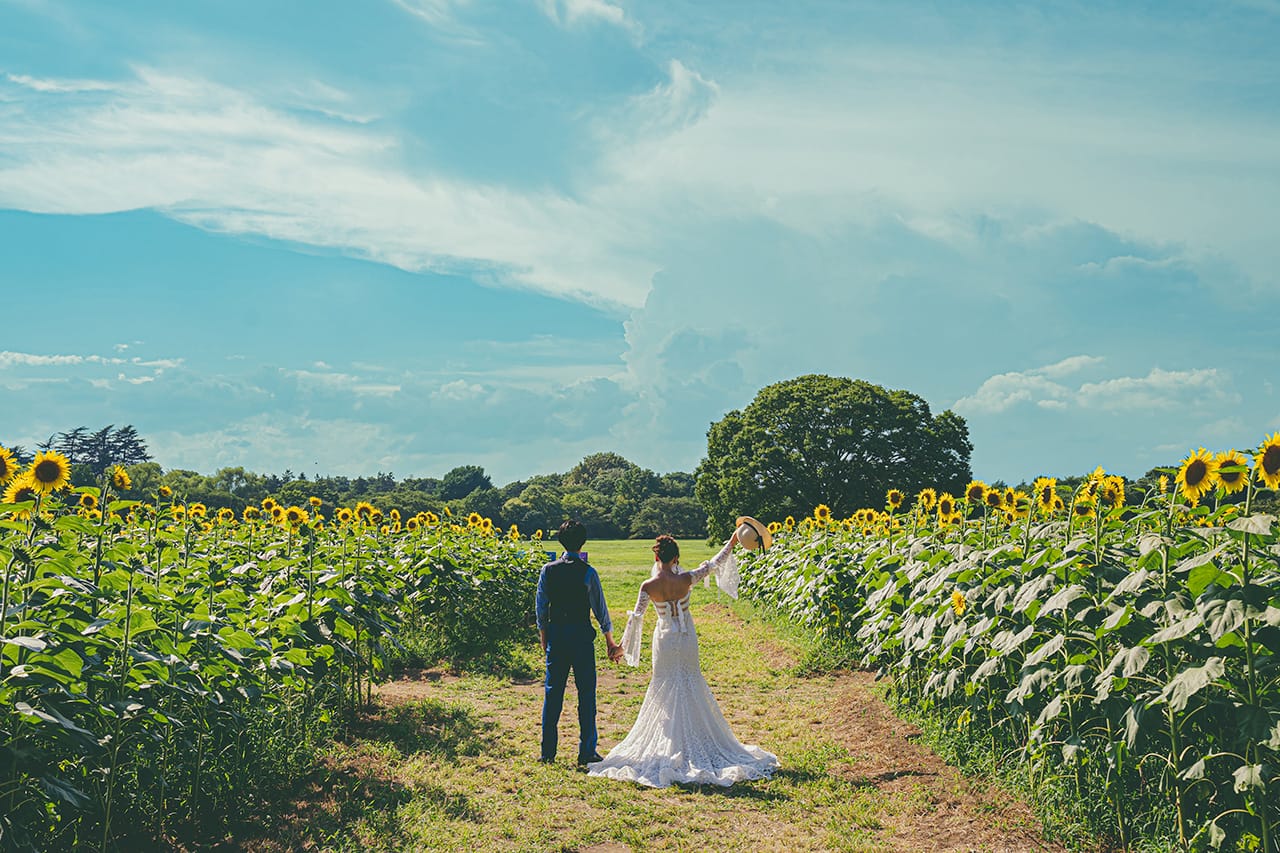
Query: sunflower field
1119	652
161	665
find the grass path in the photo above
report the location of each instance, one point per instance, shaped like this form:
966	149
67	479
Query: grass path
449	763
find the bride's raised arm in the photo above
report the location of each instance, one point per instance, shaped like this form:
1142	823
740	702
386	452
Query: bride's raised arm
723	566
634	632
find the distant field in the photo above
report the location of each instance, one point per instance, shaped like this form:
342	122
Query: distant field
637	553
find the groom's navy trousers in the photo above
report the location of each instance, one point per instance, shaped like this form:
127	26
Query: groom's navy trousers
570	647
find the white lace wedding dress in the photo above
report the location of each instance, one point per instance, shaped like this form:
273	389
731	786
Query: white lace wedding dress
680	734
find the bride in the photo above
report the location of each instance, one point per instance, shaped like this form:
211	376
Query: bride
680	734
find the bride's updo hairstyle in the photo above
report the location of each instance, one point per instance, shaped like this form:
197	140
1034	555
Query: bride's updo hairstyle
666	548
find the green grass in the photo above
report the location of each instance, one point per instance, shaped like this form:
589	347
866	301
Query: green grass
638	553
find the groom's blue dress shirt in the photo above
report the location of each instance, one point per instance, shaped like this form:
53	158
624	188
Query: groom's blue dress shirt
595	595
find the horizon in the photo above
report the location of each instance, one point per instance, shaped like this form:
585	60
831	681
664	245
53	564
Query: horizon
421	234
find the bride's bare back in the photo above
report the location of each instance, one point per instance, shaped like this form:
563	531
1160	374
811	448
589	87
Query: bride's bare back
666	584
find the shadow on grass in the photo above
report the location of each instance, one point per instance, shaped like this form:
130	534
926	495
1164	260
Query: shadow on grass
428	726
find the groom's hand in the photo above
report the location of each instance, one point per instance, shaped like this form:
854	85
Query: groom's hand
615	653
542	639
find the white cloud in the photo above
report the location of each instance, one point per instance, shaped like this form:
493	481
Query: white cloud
1161	389
459	389
217	157
40	84
573	12
1158	390
1070	365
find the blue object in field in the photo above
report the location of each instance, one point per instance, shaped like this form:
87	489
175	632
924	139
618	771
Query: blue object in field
551	555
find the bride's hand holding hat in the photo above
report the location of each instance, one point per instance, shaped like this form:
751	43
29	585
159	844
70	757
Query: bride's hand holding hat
752	535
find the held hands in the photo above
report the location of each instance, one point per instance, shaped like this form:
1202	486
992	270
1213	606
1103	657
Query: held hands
615	652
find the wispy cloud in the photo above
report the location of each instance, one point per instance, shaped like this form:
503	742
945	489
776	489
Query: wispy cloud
216	157
46	84
573	12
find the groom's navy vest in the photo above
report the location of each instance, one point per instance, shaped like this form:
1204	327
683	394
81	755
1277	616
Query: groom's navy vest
566	585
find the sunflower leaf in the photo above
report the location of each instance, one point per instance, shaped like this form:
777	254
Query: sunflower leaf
1259	524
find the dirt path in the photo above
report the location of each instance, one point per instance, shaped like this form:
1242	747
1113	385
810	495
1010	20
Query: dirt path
448	762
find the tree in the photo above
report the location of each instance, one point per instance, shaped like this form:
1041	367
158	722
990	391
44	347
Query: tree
827	440
601	472
97	451
462	481
681	517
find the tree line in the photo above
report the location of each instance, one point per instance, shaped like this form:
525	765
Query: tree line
806	441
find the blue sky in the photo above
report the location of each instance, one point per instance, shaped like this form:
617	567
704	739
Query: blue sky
412	234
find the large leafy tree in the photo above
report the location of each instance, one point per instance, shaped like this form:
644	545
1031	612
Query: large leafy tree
827	440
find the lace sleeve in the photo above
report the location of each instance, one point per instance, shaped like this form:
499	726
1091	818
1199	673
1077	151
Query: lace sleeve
724	567
635	630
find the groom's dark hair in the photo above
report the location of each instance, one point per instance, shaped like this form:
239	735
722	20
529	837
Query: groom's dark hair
572	535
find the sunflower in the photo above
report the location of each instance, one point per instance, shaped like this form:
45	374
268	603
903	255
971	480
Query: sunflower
926	499
277	514
994	498
412	523
50	471
296	515
20	490
376	515
226	515
1058	503
178	512
344	515
165	492
1268	461
957	602
314	501
448	512
1045	490
8	465
537	535
251	513
790	522
395	515
120	479
946	506
1198	475
365	510
893	498
1163	484
1111	491
513	533
1018	503
474	519
197	510
269	504
88	501
1083	507
822	513
1233	480
975	492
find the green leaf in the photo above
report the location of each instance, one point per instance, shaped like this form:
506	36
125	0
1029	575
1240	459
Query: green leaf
1149	542
1062	598
1046	650
1222	616
1199	578
1248	778
1191	681
1177	630
1258	524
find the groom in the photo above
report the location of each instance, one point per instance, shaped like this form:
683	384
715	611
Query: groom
568	592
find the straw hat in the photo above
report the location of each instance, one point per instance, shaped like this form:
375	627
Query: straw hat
753	534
